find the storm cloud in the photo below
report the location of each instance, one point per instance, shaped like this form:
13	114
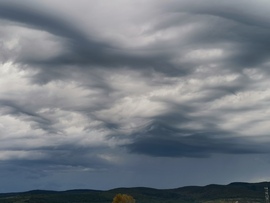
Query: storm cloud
150	91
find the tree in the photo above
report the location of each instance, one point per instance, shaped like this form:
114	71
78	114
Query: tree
123	198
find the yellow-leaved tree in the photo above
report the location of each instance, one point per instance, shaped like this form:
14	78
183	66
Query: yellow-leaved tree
123	198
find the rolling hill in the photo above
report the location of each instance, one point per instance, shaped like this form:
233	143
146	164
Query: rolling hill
234	192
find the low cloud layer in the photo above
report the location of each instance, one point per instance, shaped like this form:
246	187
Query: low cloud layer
90	87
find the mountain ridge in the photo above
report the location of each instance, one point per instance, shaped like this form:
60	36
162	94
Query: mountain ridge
240	192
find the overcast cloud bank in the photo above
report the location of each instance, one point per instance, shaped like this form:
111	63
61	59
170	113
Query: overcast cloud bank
153	92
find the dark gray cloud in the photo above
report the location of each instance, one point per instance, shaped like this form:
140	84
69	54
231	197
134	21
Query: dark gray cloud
35	18
162	141
240	30
81	49
182	83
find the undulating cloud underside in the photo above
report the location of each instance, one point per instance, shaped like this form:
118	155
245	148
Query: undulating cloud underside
91	87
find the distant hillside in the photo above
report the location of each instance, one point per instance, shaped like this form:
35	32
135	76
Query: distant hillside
241	192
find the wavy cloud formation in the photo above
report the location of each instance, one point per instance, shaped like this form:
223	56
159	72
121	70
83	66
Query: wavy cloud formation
99	90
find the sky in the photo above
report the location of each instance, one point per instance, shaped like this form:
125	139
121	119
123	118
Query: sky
101	94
